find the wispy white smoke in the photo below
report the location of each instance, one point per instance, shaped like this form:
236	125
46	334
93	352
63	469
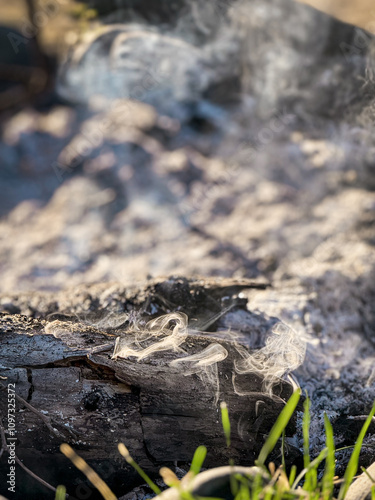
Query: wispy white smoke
108	321
284	351
166	338
111	320
204	364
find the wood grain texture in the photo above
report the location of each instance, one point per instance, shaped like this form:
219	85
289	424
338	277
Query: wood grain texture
93	402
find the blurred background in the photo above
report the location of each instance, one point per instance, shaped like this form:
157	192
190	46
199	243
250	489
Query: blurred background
184	137
356	12
57	31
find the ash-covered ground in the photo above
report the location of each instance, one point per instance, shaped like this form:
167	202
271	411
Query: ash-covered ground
211	140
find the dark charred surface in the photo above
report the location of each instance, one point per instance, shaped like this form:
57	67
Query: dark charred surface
64	370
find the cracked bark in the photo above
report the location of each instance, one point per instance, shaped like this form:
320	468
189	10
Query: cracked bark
73	391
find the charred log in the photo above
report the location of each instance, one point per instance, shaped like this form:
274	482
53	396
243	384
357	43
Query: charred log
70	388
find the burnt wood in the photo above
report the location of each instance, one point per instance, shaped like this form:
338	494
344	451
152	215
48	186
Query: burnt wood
70	389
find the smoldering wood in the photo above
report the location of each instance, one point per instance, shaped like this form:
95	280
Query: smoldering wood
85	398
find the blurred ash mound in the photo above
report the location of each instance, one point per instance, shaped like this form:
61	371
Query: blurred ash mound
217	139
174	56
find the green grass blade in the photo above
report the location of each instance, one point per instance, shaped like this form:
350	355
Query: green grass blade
244	493
283	450
234	485
306	432
313	466
256	486
329	471
268	495
311	477
60	493
363	469
279	426
125	453
293	473
145	477
198	459
353	462
345	448
225	421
